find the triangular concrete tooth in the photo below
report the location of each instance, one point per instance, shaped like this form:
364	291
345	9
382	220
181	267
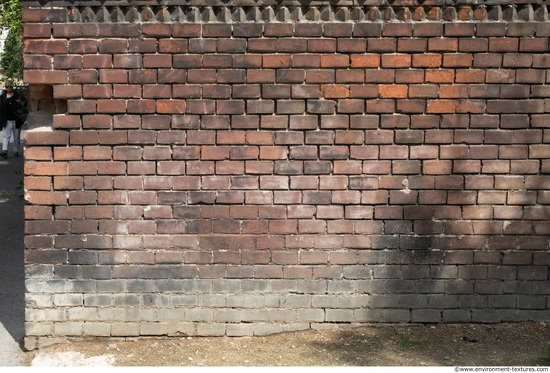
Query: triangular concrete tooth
133	15
509	13
207	15
254	14
357	15
342	15
238	15
494	13
74	15
296	14
283	14
268	14
117	15
88	15
193	15
312	15
327	14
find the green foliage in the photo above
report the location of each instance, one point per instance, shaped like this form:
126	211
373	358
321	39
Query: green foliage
11	59
407	341
547	357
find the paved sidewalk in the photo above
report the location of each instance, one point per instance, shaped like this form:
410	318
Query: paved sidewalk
12	270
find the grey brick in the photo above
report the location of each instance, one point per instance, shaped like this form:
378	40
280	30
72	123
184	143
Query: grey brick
82	313
155	300
227	315
169	285
38	300
81	286
39	271
486	316
267	329
181	328
125	330
111	286
98	299
443	301
46	286
531	302
311	315
184	300
68	328
294	327
515	315
339	315
45	314
283	286
141	314
354	301
443	271
240	330
488	287
472	301
226	286
386	271
200	314
341	286
282	315
383	301
325	301
412	301
288	301
386	286
245	301
312	286
415	272
82	257
112	314
213	300
518	287
61	272
459	287
255	286
426	316
211	330
501	301
250	315
357	272
541	287
503	272
153	329
97	329
429	286
39	328
367	315
127	300
198	286
325	326
456	316
396	315
97	272
541	315
140	286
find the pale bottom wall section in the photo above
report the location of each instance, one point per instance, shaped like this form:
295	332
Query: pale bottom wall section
60	309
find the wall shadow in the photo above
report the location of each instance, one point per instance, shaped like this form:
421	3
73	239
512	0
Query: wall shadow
12	266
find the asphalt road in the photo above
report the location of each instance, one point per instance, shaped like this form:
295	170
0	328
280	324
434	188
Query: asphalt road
12	270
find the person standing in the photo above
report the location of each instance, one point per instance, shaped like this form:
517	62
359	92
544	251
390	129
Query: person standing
10	104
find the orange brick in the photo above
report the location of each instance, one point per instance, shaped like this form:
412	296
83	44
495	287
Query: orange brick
335	91
442	106
393	91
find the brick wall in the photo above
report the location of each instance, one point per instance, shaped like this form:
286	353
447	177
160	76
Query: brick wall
248	170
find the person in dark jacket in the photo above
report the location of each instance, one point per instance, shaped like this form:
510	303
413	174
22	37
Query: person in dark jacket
10	106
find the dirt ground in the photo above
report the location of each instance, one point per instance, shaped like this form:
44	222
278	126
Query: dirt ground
523	344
